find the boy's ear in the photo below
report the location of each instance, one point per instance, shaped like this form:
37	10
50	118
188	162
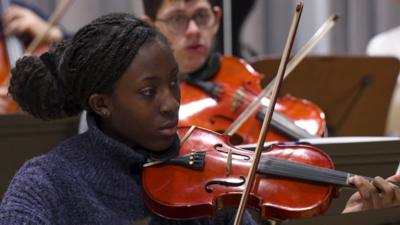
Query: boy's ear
147	19
218	16
100	105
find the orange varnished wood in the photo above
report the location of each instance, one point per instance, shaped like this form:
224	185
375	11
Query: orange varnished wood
11	106
197	108
177	192
4	65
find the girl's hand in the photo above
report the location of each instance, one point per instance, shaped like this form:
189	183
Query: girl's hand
379	193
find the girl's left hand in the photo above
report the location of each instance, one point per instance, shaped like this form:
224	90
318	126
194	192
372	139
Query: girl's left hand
379	193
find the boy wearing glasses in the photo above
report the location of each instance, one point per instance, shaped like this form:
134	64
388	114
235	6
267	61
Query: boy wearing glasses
189	25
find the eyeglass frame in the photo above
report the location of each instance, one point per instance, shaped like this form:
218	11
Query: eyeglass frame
166	21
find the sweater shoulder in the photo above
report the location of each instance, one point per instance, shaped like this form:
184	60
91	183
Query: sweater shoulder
34	191
30	194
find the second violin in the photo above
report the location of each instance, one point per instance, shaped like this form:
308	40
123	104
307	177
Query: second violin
231	90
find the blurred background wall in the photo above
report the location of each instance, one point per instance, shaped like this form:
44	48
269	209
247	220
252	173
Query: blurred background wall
265	29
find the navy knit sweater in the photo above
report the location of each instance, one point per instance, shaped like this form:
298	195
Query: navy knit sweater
89	179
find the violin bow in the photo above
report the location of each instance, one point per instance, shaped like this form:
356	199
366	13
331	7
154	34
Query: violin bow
268	116
294	62
54	19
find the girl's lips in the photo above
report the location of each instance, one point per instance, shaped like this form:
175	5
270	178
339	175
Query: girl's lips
169	128
168	131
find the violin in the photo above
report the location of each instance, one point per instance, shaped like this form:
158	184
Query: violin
201	179
239	83
292	181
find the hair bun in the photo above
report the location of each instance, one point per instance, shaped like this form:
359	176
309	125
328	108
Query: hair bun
48	61
35	87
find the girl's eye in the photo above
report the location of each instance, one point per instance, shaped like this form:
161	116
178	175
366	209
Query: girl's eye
147	92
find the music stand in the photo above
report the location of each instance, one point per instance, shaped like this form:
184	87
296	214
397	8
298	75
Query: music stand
390	216
353	91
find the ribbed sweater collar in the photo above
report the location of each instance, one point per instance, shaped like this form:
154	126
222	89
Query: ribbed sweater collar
109	166
114	149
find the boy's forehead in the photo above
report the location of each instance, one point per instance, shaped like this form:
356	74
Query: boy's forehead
169	6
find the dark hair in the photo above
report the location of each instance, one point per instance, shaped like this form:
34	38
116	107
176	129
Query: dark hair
60	82
151	7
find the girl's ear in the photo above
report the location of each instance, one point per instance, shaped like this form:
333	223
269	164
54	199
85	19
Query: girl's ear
100	105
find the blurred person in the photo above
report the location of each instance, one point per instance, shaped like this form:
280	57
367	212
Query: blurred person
388	44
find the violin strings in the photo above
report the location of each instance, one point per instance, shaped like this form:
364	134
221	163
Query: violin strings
278	119
279	167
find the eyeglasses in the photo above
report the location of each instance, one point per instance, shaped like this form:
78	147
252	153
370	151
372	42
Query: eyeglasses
179	23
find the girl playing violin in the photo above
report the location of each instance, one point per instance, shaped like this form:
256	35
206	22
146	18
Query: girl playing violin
124	74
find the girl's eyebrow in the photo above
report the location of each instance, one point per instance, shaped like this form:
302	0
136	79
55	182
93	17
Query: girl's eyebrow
174	71
149	77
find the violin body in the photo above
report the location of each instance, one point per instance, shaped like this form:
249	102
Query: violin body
184	192
240	86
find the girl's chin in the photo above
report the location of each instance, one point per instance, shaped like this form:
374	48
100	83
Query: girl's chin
162	145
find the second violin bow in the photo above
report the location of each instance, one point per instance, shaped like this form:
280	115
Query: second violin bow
319	34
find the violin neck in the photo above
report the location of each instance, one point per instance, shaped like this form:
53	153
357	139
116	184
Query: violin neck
285	125
283	168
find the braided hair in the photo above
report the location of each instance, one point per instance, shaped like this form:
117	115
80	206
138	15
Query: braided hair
60	82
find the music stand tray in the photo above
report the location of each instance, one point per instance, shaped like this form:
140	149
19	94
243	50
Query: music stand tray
353	91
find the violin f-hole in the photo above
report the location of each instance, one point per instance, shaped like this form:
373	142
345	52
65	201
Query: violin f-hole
229	182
